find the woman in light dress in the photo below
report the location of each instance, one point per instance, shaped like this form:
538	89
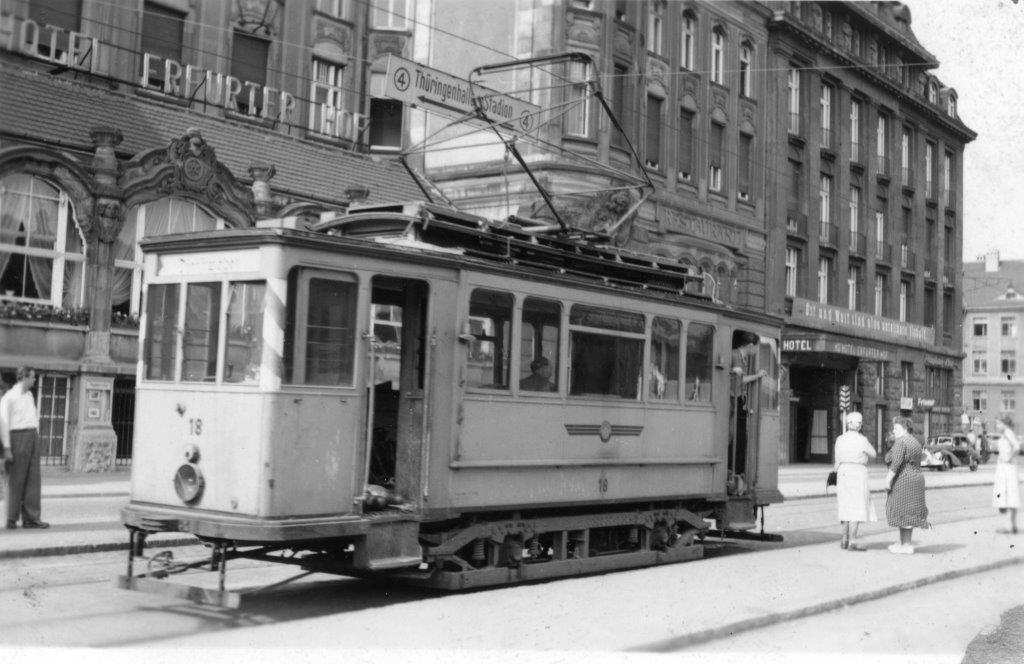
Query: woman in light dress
853	451
1006	487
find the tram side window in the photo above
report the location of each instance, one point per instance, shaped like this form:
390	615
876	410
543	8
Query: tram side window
700	351
490	317
320	334
665	336
161	321
202	327
244	348
606	348
541	332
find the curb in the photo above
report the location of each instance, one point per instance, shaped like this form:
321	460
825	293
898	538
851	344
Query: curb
97	547
882	491
731	629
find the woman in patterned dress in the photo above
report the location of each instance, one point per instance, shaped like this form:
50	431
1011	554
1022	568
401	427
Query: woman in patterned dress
905	507
1006	486
853	499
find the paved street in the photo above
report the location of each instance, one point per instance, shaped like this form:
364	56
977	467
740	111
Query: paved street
740	597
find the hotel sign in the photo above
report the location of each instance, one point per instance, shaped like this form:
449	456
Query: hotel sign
820	343
857	323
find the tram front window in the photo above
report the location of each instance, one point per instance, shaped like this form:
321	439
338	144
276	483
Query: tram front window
160	350
202	325
244	332
607	349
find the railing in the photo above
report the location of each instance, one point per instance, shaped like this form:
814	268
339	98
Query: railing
855	152
858	244
907	261
948	276
794	123
883	252
796	224
929	268
882	163
827	138
828	234
906	176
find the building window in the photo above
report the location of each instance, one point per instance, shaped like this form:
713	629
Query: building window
979	362
162	217
715	151
880	145
947	178
853	288
951	106
792	268
854	130
1008	326
929	170
42	255
654	26
1008	362
743	167
327	96
929	306
619	102
249	65
906	157
55	18
979	400
390	15
335	8
826	116
385	118
652	145
684	170
880	370
854	212
689	40
578	113
825	200
933	93
746	72
793	85
980	328
717	53
906	378
162	35
904	300
1009	401
880	244
880	293
824	270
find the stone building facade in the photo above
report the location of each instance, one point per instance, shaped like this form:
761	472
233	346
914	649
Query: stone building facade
125	120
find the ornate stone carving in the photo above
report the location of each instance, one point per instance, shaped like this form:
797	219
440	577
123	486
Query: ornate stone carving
97	456
336	33
257	16
583	28
109	216
383	44
657	74
623	42
719	99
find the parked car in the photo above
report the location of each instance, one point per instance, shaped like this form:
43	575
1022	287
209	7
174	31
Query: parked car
952	450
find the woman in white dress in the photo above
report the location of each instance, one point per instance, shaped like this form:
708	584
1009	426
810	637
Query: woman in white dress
852	453
1006	486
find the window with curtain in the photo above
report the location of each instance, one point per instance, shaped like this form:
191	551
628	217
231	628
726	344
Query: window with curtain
327	96
249	56
42	254
163	32
163	217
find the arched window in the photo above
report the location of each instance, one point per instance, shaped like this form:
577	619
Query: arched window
746	72
42	254
717	53
163	217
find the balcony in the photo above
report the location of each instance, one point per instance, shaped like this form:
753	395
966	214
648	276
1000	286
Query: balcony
948	276
907	261
828	235
883	252
906	177
828	138
949	199
929	189
855	152
796	225
929	268
858	244
882	165
795	124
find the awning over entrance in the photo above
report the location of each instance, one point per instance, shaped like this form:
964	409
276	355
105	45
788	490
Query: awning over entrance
800	343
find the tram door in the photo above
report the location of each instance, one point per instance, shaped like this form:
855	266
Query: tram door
396	419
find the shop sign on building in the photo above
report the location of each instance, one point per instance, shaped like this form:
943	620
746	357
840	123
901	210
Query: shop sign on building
677	221
817	343
57	46
837	319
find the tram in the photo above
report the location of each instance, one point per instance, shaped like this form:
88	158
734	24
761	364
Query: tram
418	393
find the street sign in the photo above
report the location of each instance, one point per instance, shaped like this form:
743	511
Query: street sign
844	397
418	85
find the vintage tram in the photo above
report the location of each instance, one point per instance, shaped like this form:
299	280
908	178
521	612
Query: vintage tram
414	392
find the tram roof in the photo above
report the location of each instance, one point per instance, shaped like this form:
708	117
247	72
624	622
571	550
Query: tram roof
516	241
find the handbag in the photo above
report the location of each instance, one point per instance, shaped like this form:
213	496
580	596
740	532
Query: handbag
831	480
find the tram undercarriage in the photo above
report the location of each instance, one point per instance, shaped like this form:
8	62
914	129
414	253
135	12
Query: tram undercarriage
501	550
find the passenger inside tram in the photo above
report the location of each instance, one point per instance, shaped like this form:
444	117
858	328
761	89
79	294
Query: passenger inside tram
539	379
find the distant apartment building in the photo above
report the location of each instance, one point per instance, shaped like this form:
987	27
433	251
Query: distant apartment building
993	341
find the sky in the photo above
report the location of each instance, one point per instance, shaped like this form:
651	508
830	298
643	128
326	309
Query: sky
980	48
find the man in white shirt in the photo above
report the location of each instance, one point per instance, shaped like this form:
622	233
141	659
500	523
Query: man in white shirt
19	434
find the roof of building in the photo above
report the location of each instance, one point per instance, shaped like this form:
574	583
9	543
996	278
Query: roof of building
63	110
1000	289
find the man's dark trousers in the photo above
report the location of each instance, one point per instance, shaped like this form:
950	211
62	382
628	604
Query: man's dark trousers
24	484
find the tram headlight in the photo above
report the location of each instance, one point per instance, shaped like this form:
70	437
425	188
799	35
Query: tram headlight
189	483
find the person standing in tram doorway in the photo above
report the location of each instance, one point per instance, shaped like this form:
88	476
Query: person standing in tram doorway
19	434
853	499
744	350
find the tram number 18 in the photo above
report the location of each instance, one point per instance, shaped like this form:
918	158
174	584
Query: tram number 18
195	427
602	485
